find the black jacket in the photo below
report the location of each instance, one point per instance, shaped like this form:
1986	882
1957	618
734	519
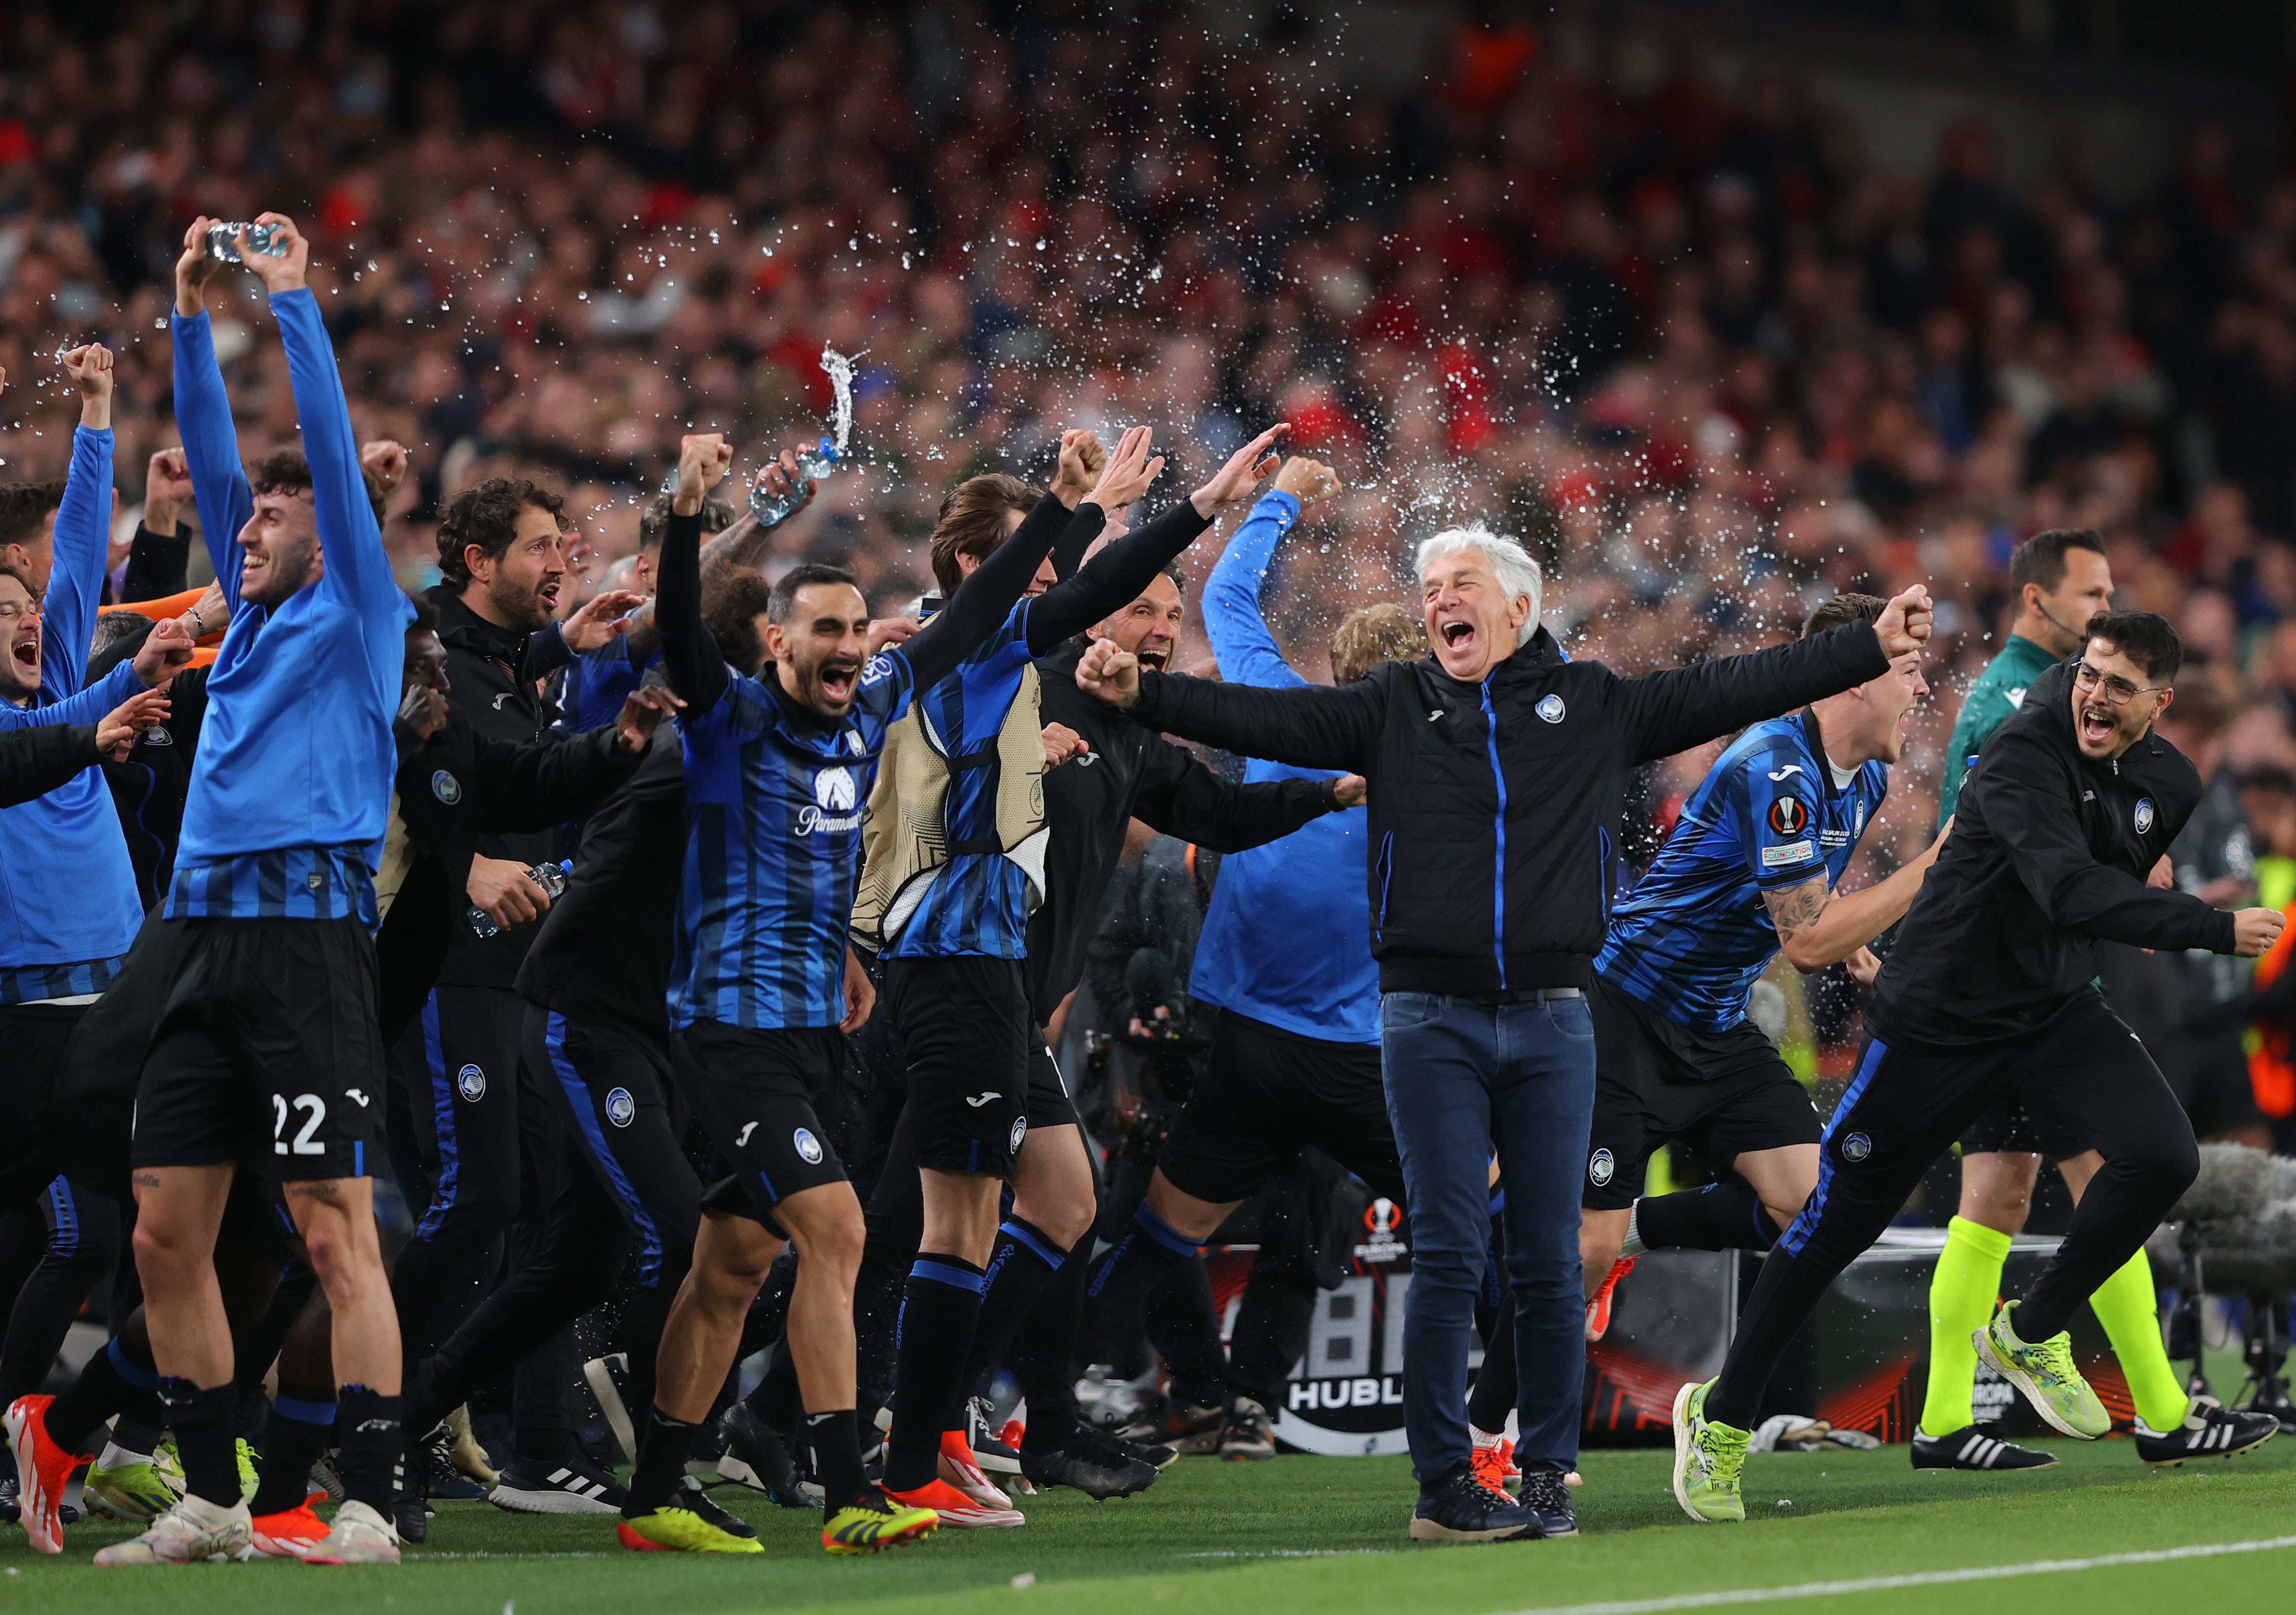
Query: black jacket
458	790
493	672
1495	806
2048	854
602	952
149	787
1130	773
34	761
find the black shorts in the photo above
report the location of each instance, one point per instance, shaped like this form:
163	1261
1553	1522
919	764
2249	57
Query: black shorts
35	1036
1267	1094
266	1052
966	1032
757	1093
1656	1081
1050	1103
91	1118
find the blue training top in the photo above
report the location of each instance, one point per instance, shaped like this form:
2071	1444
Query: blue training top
1695	934
290	789
67	902
1308	884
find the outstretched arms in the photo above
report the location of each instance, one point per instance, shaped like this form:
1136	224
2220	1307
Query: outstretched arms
204	416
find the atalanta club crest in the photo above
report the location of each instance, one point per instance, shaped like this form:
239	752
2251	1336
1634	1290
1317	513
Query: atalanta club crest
2145	815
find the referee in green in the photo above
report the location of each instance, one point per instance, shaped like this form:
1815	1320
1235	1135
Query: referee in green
2061	581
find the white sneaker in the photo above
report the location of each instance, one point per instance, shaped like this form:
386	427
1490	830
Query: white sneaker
193	1531
360	1536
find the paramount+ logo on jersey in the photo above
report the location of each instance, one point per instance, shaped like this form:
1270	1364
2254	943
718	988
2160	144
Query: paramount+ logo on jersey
836	803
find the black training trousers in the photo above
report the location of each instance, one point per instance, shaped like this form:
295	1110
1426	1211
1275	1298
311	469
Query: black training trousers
2082	1073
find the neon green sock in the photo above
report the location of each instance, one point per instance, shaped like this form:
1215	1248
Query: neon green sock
1962	1292
2129	1308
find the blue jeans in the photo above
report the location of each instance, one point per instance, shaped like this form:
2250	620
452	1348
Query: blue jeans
1464	1079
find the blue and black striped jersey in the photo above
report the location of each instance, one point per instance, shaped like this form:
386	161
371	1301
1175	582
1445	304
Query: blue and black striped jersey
775	802
977	903
1695	934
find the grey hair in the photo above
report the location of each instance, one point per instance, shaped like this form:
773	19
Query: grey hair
1517	571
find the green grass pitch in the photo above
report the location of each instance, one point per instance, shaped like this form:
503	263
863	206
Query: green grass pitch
1326	1535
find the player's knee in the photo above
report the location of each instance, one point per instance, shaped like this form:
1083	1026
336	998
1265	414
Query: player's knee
159	1255
2162	1168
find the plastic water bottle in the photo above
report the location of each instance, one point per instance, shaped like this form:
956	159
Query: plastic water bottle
550	877
223	242
812	466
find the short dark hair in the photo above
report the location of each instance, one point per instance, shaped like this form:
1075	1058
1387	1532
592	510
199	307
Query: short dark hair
285	471
730	602
784	598
1842	611
971	522
9	569
24	505
488	516
426	615
2041	559
2145	638
113	626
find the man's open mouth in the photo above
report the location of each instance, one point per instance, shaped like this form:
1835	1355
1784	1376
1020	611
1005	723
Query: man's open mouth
27	652
1153	661
548	594
838	679
1457	633
2097	725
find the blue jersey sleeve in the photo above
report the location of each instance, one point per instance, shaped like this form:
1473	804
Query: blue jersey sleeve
210	450
1247	653
1779	803
82	706
359	568
75	582
888	684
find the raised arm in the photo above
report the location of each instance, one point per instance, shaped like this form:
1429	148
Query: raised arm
359	568
1178	796
83	543
203	416
1246	651
1663	713
985	599
1115	577
2026	795
160	558
1311	727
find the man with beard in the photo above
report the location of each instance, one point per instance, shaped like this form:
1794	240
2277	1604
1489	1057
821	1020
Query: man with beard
486	1137
763	985
1988	997
267	1052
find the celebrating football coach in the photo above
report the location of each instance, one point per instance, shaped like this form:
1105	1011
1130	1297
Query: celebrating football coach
1498	769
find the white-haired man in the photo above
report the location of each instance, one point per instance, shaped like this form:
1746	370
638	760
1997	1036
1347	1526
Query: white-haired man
1498	771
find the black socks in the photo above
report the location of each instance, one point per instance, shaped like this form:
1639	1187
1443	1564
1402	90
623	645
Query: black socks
1727	1216
374	1445
1025	1261
939	1312
662	1452
1151	1249
112	1382
302	1423
205	1423
836	1439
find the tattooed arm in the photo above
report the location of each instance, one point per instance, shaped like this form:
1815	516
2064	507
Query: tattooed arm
1817	926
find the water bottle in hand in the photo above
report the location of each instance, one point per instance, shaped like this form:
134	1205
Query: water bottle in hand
811	466
550	877
223	242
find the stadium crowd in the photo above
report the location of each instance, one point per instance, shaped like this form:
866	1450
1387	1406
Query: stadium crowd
1771	425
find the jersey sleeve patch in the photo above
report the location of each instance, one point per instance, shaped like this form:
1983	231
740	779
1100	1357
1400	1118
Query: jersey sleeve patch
1781	808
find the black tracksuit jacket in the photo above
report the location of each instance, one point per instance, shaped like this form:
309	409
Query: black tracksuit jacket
1495	806
2048	855
1130	772
458	792
36	760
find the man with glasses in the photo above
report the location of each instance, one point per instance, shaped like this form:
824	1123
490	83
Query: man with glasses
2061	581
1989	996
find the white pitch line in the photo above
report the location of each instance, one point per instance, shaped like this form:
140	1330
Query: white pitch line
1925	1578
